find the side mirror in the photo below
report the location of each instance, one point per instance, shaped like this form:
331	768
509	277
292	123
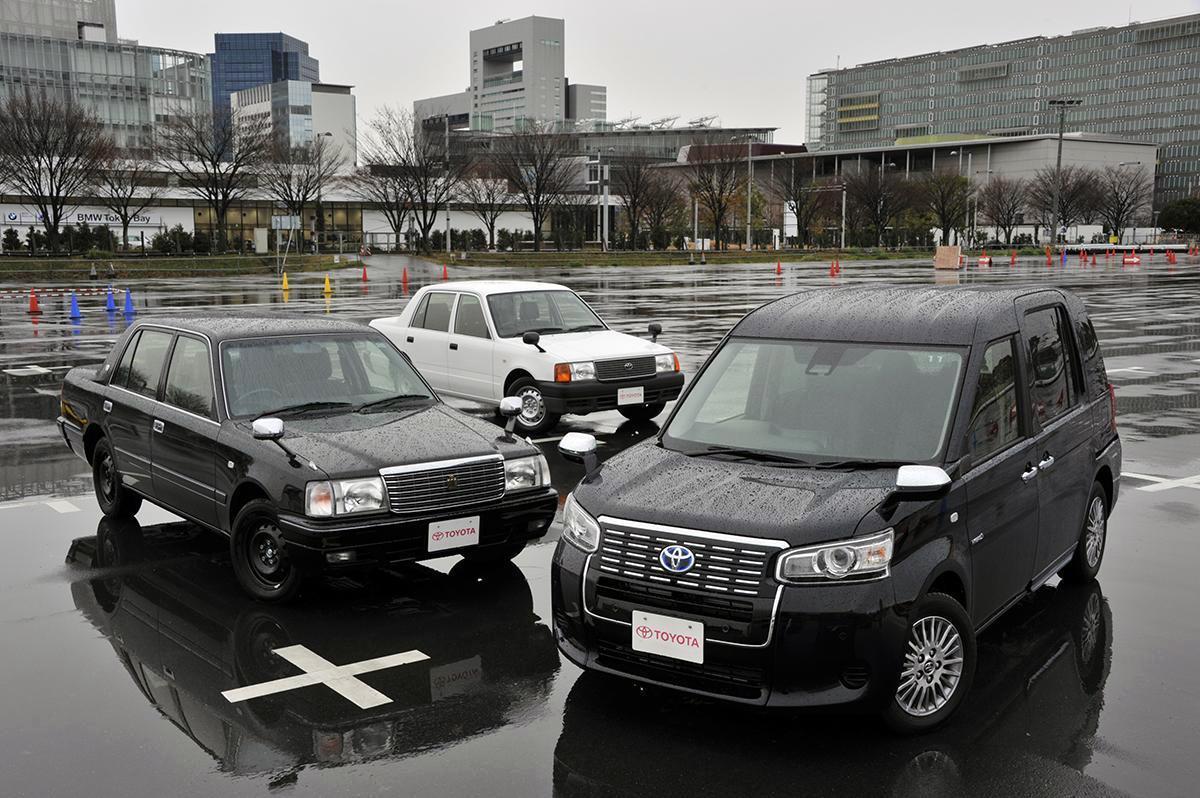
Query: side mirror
579	447
510	408
655	331
268	429
919	480
533	339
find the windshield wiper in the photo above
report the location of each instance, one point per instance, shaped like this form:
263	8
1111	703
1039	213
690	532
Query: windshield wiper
780	460
859	464
541	330
305	407
379	403
586	327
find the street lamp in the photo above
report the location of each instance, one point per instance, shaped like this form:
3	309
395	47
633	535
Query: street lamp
1062	105
749	181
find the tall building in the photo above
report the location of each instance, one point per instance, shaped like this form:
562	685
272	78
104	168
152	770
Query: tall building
298	112
70	50
518	74
246	60
1136	81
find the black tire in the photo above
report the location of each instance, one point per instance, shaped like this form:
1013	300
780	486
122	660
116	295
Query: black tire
642	412
115	500
911	712
493	555
534	418
1093	537
260	561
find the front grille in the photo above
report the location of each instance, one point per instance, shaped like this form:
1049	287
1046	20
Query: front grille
736	681
444	486
664	598
626	369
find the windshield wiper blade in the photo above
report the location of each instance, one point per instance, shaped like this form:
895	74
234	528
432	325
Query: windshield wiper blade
586	327
404	397
305	407
781	460
541	330
860	464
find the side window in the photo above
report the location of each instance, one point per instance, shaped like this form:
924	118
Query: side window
469	320
418	318
121	375
189	378
147	366
437	312
994	418
1049	374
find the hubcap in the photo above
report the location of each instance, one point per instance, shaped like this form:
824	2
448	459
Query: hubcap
1093	541
1091	627
533	408
932	667
107	482
266	558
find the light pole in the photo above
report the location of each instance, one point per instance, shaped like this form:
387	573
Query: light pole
967	210
1062	106
319	155
749	182
446	171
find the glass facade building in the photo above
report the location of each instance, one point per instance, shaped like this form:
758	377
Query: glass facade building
246	60
1139	82
93	20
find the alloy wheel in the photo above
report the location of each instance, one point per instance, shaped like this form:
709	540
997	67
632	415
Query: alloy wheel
933	666
1093	541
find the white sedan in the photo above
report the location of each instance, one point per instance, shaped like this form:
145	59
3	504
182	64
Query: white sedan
540	342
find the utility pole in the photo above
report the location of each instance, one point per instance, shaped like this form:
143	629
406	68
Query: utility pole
749	187
1062	106
446	176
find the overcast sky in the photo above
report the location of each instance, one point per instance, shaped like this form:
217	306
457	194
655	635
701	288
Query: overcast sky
744	61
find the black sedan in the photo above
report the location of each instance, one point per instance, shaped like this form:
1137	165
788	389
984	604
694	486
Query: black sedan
371	468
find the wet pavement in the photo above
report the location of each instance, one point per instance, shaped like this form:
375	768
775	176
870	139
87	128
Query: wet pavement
120	639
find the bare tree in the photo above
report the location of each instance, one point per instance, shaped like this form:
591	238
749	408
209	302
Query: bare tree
663	205
541	167
488	196
945	194
383	187
53	152
807	199
1124	195
1001	204
216	157
632	180
297	176
881	197
716	173
1076	196
128	187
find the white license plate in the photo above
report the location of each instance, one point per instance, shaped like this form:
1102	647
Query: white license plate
446	681
668	637
631	396
453	534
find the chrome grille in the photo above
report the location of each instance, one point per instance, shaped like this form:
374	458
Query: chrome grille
448	485
630	368
725	565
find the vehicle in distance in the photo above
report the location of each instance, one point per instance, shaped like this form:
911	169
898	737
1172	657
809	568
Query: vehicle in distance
539	342
855	485
371	468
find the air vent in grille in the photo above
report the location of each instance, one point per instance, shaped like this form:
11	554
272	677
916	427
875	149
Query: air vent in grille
435	487
626	369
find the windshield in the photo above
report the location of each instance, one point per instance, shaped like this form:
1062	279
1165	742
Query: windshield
821	402
544	312
315	372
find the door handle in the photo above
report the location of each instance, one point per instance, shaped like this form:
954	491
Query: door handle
158	426
454	347
107	406
1031	471
1047	461
409	339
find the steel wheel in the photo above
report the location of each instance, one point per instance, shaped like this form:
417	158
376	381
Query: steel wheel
267	561
106	476
1093	540
933	666
533	406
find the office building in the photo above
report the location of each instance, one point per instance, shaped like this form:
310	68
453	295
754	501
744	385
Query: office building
1136	81
89	20
298	111
517	74
245	60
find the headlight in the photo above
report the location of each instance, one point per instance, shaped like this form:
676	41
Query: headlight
666	363
343	497
579	528
574	372
862	558
525	473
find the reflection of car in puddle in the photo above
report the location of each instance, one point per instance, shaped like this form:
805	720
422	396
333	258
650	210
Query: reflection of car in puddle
1027	728
166	601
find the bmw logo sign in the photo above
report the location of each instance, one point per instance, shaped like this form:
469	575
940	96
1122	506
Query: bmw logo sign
12	217
677	559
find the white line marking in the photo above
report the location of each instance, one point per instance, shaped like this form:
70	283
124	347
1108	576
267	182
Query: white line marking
1136	370
339	678
548	440
60	506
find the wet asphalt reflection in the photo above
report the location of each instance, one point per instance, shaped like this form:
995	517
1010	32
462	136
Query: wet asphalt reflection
121	638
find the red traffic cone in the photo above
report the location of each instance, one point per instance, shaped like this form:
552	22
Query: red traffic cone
445	272
34	307
779	267
404	276
1012	258
1093	259
364	273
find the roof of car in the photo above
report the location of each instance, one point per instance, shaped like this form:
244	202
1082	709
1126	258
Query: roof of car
238	325
487	287
891	313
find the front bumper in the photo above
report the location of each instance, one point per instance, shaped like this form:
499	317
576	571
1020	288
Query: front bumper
829	645
592	396
389	538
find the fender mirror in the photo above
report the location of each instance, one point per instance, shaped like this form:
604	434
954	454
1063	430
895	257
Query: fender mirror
268	429
655	331
579	447
510	408
533	339
922	481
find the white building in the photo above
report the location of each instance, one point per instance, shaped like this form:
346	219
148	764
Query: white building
299	111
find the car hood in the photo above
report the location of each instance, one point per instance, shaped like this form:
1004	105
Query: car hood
598	345
354	444
801	506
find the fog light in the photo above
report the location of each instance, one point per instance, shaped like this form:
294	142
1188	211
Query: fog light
340	556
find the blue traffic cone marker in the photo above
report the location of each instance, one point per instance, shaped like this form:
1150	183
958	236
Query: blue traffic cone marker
130	310
111	304
75	314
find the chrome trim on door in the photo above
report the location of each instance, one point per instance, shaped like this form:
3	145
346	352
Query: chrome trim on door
1046	462
158	426
1029	474
107	406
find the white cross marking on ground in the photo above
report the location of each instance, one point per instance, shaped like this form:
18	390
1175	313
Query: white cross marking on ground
1138	370
339	678
1161	483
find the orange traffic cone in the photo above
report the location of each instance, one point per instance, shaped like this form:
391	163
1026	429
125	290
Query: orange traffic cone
364	273
445	272
1093	259
779	267
404	277
833	269
1012	258
34	307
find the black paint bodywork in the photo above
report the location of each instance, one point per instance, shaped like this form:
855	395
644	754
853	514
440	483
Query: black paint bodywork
842	643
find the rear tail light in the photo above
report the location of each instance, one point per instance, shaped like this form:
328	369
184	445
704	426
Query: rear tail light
1112	407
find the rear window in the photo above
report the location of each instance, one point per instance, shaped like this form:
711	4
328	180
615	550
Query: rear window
147	365
437	312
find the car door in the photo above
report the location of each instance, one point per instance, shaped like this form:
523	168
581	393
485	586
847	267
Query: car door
1062	421
427	339
1002	490
133	394
471	351
184	446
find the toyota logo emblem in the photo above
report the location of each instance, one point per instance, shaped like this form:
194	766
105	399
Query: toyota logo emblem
629	367
644	632
677	559
452	481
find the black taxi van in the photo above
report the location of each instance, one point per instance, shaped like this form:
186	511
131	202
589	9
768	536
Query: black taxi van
856	484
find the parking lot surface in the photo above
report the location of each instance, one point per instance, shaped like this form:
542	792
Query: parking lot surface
133	665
